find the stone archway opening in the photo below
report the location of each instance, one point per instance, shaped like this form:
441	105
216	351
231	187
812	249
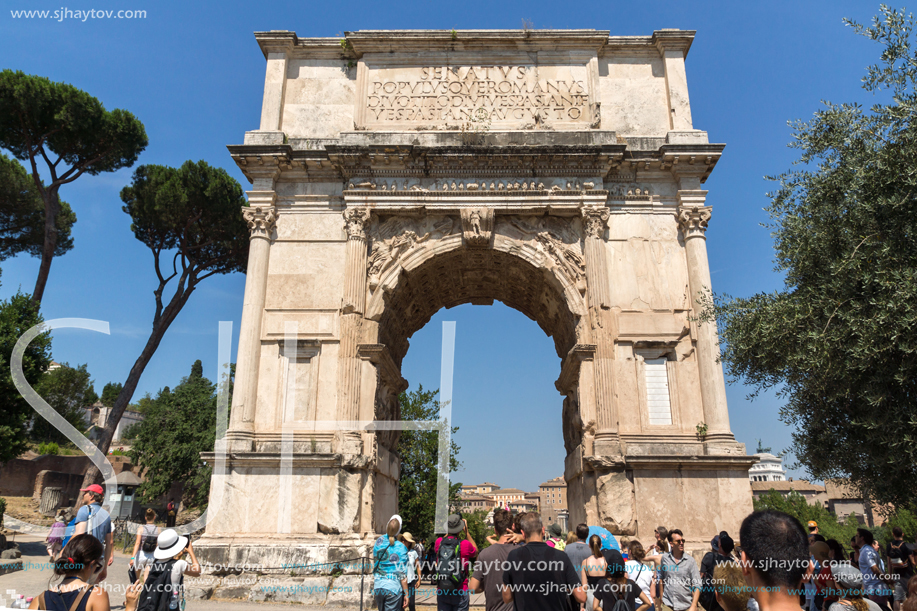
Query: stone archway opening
478	277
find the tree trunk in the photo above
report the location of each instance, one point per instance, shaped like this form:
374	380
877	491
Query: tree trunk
94	474
52	209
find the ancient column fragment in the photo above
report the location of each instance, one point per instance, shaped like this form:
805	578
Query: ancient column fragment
261	218
355	264
693	217
595	219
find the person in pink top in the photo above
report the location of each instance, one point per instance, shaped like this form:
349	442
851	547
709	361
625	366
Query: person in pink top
452	586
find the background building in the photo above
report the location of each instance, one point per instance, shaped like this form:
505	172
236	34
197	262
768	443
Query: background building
553	501
769	467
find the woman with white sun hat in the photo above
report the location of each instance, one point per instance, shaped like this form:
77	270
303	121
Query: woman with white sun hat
170	550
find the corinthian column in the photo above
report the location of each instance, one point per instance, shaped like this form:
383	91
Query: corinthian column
595	220
261	219
693	217
355	221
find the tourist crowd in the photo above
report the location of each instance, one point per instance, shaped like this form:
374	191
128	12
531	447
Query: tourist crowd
775	565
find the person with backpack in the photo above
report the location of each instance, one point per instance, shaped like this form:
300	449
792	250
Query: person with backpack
94	520
900	563
454	555
390	558
616	591
162	581
556	539
145	544
722	552
77	570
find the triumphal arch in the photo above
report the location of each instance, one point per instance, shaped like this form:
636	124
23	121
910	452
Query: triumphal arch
395	173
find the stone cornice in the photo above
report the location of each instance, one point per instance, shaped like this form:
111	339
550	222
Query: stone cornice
441	154
413	41
449	41
669	40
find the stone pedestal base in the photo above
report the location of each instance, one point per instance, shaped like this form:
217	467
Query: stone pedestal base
699	488
316	570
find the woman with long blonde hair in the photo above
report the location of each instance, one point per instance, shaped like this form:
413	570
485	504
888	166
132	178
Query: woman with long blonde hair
390	558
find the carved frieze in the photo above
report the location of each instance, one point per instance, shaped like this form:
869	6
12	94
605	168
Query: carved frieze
393	237
558	238
477	226
261	220
485	186
629	191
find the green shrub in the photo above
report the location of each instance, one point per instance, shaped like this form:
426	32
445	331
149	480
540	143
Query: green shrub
49	448
2	509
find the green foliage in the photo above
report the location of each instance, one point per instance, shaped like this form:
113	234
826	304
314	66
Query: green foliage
143	404
22	214
701	429
66	389
477	528
839	342
196	209
36	113
419	452
49	448
178	425
797	506
131	432
110	393
906	520
71	133
18	314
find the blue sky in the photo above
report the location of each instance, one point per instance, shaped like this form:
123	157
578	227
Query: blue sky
193	74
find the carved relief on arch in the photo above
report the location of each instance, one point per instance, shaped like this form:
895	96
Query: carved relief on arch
558	239
393	237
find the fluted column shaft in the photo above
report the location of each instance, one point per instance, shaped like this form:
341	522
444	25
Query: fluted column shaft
595	219
352	309
261	218
693	217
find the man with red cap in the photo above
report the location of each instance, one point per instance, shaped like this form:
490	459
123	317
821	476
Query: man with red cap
92	519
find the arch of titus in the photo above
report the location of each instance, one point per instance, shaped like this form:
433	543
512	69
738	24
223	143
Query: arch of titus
406	171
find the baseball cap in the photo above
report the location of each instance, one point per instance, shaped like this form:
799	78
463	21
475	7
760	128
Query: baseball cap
93	488
813	524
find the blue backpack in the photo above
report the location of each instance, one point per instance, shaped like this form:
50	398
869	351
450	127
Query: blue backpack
71	527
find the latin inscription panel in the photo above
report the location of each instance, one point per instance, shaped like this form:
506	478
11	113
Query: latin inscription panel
476	97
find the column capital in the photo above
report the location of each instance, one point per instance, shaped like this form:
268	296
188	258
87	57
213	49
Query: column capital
355	221
692	214
261	220
595	220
